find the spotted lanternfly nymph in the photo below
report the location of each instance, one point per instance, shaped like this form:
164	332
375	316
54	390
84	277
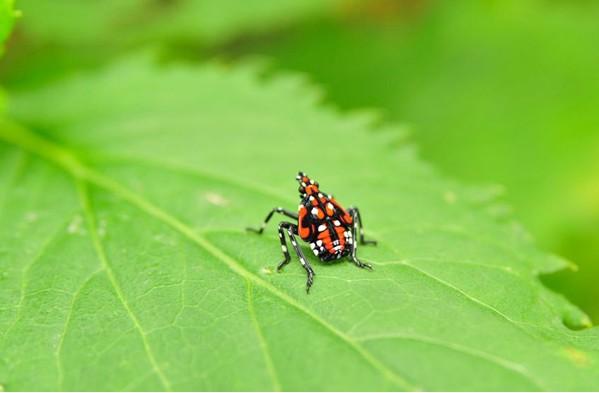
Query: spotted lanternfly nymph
323	223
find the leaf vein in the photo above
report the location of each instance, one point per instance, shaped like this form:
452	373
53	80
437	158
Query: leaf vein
262	340
144	205
506	364
25	272
91	222
58	351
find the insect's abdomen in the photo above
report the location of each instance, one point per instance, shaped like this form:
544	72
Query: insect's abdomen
323	223
333	242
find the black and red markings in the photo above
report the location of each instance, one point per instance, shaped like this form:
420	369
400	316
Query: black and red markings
323	223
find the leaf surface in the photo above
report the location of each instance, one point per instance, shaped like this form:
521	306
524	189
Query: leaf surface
124	195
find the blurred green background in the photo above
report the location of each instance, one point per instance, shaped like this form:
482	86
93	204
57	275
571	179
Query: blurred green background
493	92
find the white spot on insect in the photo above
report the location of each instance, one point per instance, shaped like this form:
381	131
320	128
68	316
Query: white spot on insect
294	243
319	243
302	261
330	206
315	251
280	235
311	181
284	248
350	240
311	198
216	199
320	195
312	245
314	211
322	227
303	184
337	223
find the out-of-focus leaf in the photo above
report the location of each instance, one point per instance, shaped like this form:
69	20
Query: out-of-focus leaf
57	38
7	17
120	21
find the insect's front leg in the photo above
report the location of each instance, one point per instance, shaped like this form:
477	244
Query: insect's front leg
279	210
357	219
282	232
354	245
291	230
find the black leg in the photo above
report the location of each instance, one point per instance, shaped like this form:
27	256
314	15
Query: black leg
354	246
282	231
355	213
291	230
279	210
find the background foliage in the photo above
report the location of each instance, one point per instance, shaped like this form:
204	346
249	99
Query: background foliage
491	93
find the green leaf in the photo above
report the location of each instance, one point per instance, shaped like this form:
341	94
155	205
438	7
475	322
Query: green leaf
125	264
7	16
62	37
116	22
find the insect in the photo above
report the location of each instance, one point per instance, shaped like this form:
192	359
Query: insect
323	223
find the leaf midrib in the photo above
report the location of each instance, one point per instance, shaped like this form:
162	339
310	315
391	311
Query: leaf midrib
20	136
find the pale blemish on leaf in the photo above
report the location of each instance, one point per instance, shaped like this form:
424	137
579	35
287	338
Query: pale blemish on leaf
164	239
449	197
76	226
216	199
31	217
101	228
578	357
267	270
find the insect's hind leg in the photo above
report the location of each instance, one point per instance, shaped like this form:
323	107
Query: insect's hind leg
279	210
291	230
354	245
357	218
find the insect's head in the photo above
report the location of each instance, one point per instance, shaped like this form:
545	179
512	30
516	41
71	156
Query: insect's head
307	186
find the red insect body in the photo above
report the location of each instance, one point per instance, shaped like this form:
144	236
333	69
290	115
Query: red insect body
323	223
